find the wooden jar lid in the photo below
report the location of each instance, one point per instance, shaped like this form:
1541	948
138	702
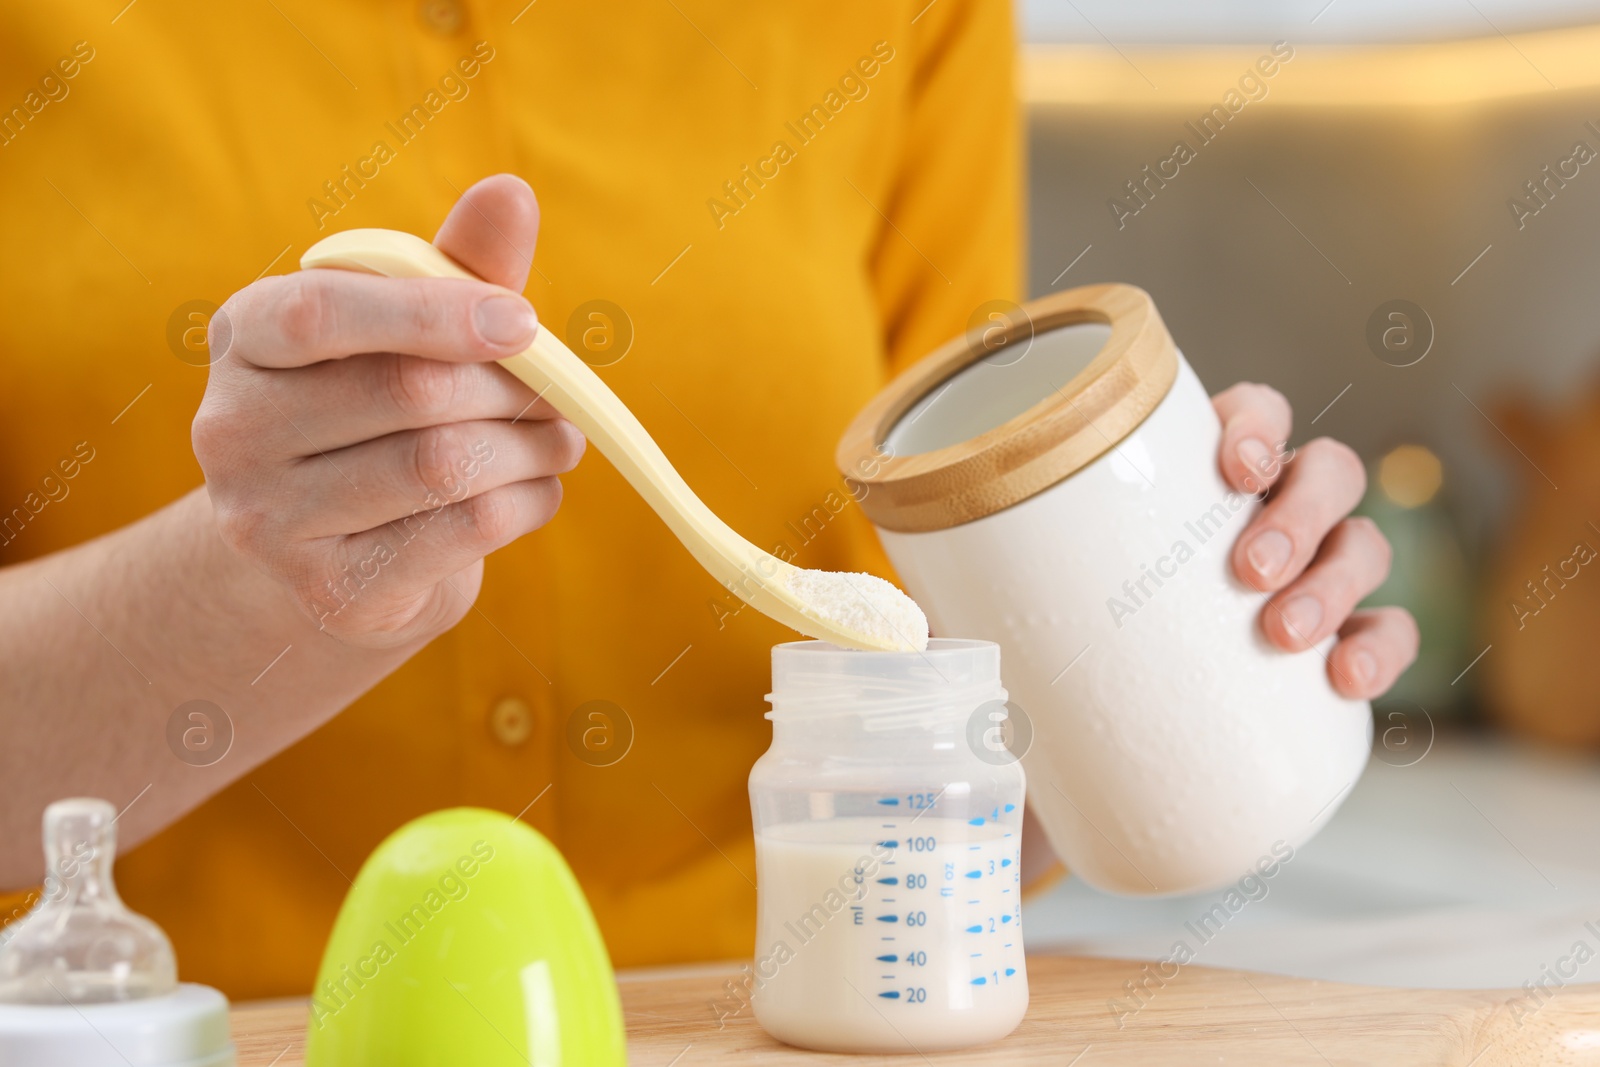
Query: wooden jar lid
1062	433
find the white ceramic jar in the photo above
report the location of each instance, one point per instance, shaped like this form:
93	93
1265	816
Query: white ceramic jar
1051	484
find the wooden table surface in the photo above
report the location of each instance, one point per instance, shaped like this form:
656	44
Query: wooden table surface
1203	1015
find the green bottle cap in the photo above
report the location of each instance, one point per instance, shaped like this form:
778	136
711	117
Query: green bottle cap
465	939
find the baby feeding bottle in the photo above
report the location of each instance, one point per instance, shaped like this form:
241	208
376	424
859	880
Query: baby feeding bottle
1049	482
84	982
888	822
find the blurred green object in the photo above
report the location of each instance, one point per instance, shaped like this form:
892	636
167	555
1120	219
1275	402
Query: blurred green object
465	940
1430	578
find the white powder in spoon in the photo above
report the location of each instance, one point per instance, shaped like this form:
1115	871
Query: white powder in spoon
865	604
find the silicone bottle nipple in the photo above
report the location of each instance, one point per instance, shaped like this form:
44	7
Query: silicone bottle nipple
80	944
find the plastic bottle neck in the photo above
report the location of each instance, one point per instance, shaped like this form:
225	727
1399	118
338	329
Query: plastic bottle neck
822	691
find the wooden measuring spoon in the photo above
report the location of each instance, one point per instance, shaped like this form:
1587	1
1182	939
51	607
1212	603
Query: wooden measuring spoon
852	610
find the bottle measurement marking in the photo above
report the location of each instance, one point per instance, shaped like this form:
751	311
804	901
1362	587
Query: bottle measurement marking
930	861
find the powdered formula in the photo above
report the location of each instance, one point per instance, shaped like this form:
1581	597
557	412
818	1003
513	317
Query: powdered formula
864	603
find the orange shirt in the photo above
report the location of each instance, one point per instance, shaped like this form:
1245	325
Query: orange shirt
785	202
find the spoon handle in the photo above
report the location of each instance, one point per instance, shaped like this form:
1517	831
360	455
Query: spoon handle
550	369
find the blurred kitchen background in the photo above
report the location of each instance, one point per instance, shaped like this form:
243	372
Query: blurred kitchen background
1377	167
1350	235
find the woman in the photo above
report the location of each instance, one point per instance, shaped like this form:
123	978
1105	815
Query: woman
769	211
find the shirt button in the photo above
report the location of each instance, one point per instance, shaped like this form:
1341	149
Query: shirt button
511	721
443	17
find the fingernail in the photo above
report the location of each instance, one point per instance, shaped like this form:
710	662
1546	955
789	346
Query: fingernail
1365	668
1256	457
505	320
1268	553
1303	615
